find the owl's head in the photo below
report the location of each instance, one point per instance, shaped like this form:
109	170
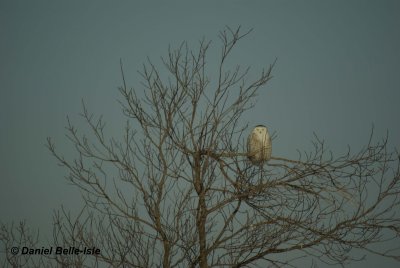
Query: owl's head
260	129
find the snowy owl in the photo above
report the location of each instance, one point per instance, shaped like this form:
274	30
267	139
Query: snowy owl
259	145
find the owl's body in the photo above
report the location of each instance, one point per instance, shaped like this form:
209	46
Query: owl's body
259	146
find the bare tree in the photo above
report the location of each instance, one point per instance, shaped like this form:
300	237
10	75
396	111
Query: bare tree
178	190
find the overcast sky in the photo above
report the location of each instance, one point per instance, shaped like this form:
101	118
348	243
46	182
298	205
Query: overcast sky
337	74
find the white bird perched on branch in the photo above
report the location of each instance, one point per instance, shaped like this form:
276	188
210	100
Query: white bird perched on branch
259	146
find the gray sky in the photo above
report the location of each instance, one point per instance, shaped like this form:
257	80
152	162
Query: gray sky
336	75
